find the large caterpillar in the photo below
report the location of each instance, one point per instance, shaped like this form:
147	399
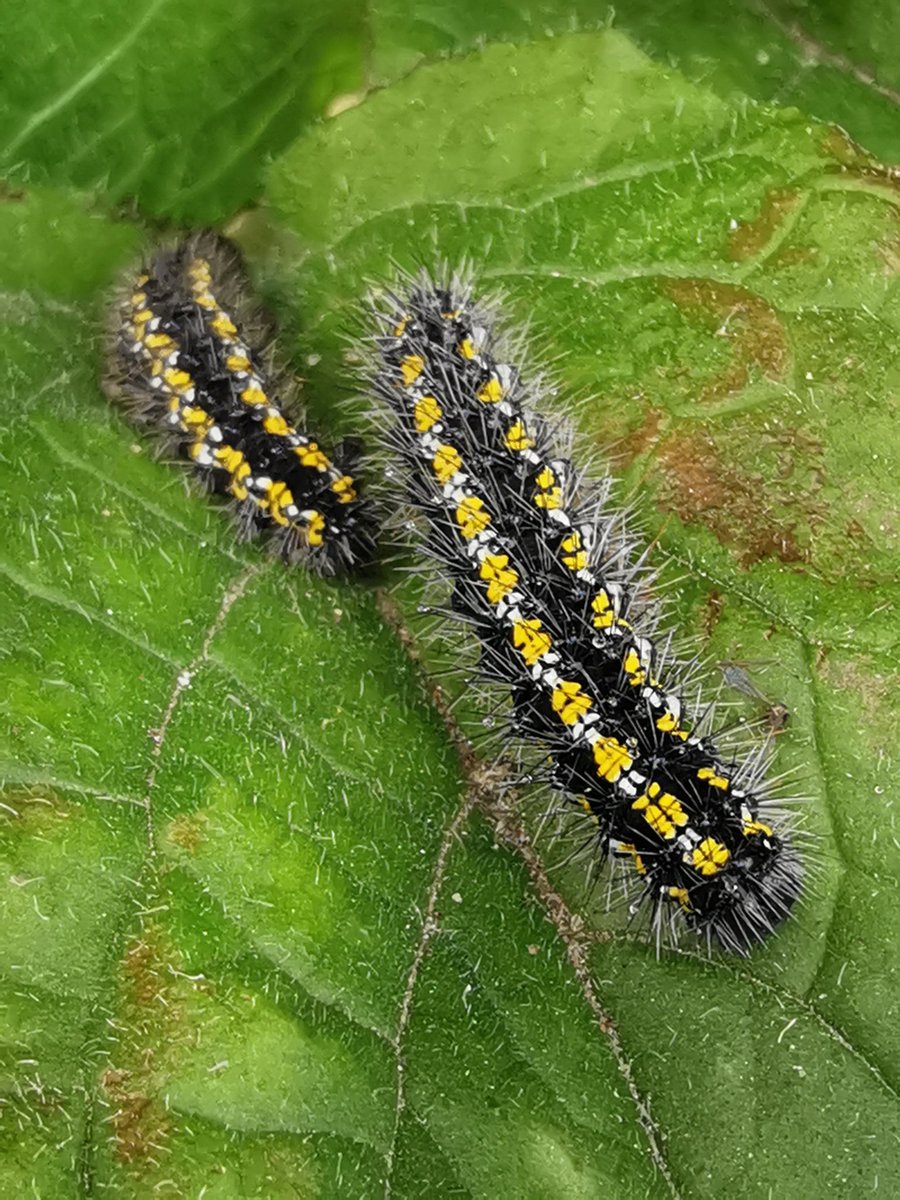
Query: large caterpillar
183	368
544	576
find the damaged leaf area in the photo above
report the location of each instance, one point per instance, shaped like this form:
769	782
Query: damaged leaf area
268	926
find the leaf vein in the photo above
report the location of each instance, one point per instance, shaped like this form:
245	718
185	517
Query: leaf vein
84	81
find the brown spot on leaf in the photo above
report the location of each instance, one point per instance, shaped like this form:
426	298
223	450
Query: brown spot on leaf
139	1124
640	439
145	975
9	192
187	830
851	159
855	531
751	326
794	256
703	489
751	237
37	808
148	1025
839	145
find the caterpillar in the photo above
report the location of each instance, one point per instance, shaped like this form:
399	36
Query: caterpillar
544	575
183	367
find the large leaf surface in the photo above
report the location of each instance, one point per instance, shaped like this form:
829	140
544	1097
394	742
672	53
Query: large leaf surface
255	942
837	61
181	106
724	287
176	105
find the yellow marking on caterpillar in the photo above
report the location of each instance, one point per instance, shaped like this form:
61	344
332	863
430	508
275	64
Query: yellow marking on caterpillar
279	498
275	424
195	418
472	517
452	315
517	439
611	758
400	327
236	487
446	463
549	494
141	317
138	298
230	458
631	665
708	775
569	701
178	381
466	348
344	490
254	396
491	392
752	828
411	368
710	856
681	895
574	557
668	723
530	640
604	614
237	467
427	412
499	576
311	456
661	810
223	326
237	362
314	529
205	300
158	341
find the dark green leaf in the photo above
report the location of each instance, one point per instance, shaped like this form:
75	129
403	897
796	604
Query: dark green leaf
176	105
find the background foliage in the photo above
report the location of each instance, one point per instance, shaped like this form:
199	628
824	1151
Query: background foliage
256	938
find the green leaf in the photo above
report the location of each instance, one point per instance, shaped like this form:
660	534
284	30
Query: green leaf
255	939
179	108
725	285
834	60
176	105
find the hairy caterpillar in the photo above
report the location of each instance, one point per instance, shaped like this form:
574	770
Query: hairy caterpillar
544	576
185	369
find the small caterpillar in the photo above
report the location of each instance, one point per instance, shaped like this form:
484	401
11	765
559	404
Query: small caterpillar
183	368
544	576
